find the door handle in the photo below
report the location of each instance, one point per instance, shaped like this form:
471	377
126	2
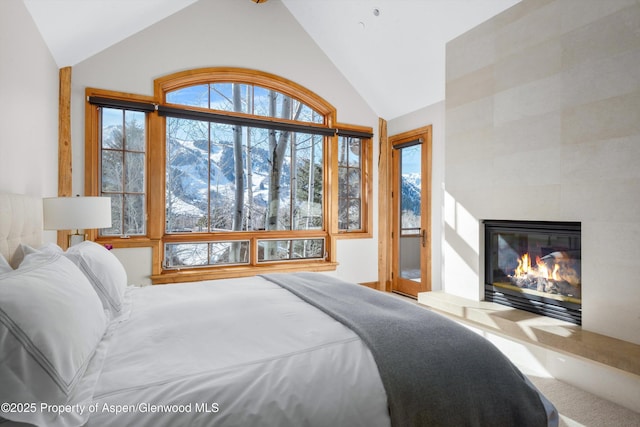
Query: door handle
423	237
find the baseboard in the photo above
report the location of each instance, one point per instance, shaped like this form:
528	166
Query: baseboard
372	285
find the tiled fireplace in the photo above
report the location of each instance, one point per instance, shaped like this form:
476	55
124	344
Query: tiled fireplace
528	137
535	266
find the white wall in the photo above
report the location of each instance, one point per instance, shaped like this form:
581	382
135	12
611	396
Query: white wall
28	107
543	123
227	33
431	115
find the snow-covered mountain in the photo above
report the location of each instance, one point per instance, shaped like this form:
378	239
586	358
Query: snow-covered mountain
411	197
190	176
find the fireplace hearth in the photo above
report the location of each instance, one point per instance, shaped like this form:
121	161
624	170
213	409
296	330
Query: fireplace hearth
535	266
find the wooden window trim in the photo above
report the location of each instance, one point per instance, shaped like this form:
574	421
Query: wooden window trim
155	185
92	161
198	274
366	217
224	74
182	79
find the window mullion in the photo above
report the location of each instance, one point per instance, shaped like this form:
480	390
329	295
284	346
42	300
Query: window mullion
208	215
124	173
292	179
347	144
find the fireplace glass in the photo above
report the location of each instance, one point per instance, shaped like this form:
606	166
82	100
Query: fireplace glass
534	266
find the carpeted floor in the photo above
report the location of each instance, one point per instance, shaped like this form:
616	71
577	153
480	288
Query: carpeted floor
577	408
580	408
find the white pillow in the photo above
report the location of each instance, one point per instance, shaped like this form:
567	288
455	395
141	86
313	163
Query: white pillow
32	258
51	324
4	265
23	250
104	271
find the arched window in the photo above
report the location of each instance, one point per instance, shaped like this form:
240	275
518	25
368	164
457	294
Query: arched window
240	174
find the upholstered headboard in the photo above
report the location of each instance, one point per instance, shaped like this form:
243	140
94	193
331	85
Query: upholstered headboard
20	222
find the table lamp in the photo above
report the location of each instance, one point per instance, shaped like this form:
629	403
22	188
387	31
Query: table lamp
76	213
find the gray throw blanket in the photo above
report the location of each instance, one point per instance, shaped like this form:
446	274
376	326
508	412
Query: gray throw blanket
435	371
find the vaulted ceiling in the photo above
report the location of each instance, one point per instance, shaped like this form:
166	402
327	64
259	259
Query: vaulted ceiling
392	51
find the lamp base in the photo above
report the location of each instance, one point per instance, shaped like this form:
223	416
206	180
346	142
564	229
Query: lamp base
76	238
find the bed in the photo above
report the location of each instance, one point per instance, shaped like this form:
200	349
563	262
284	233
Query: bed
78	346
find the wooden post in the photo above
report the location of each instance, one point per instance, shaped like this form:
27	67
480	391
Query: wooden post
64	145
384	207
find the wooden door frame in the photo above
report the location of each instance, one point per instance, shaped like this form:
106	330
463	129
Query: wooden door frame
385	205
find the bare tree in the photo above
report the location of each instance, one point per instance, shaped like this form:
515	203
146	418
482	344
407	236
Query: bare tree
277	149
238	164
249	164
312	183
238	212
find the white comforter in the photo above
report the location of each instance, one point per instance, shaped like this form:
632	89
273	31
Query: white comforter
240	352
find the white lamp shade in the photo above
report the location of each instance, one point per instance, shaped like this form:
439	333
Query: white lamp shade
73	213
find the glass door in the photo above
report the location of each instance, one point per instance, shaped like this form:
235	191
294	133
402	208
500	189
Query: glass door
410	236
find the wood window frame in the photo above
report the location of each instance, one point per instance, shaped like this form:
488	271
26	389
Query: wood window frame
366	188
92	170
156	236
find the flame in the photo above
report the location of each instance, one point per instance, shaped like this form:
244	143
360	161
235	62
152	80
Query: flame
524	265
540	270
